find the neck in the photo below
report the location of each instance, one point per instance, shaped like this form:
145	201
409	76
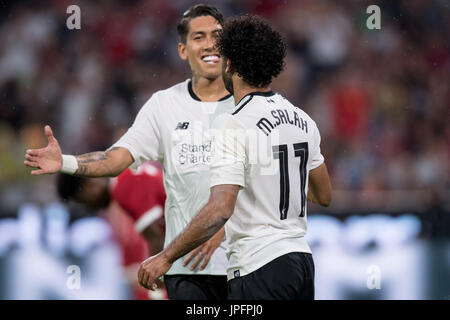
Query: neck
209	90
241	89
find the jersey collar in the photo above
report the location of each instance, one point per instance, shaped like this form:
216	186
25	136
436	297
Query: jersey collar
195	97
248	97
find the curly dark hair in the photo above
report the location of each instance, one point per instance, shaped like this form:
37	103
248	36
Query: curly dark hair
256	51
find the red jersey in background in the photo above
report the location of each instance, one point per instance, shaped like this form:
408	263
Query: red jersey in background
138	203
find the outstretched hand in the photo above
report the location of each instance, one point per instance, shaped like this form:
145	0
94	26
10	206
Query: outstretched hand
46	160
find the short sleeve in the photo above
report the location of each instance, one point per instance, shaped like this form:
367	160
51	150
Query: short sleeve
143	138
229	147
316	156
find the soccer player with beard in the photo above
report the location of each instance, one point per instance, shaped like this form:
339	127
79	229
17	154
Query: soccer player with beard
264	206
173	127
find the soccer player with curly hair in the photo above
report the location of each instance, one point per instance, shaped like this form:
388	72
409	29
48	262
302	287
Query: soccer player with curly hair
267	164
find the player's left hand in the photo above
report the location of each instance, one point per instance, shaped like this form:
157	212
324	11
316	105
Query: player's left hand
151	270
205	251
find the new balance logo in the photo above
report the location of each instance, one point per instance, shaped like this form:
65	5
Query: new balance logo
270	101
182	125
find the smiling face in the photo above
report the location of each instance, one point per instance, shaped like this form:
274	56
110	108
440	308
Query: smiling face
199	48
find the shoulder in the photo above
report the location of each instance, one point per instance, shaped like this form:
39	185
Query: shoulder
179	89
164	95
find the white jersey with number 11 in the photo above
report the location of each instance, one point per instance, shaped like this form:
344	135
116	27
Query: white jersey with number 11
267	146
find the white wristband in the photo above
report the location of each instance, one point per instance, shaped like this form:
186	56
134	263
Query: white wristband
69	164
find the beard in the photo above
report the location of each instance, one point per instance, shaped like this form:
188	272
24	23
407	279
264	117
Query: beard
227	78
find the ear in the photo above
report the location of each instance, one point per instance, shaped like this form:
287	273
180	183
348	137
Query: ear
228	67
182	51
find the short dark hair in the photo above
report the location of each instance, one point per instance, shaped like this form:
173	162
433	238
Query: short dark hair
68	186
193	12
256	51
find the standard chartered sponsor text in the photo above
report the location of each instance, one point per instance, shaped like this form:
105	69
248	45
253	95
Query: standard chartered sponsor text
195	153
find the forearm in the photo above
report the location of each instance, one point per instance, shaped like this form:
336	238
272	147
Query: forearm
319	186
101	163
205	225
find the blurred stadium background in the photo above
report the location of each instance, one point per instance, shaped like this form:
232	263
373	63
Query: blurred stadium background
380	97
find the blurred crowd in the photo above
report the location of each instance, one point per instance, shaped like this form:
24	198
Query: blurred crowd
381	98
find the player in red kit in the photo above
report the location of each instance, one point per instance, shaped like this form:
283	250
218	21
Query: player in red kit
134	203
141	194
137	213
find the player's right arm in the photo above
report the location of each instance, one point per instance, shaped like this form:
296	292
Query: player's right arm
49	160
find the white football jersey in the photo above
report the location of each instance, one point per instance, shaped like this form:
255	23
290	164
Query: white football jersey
173	127
267	146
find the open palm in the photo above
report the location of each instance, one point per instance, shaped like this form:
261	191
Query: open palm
46	160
